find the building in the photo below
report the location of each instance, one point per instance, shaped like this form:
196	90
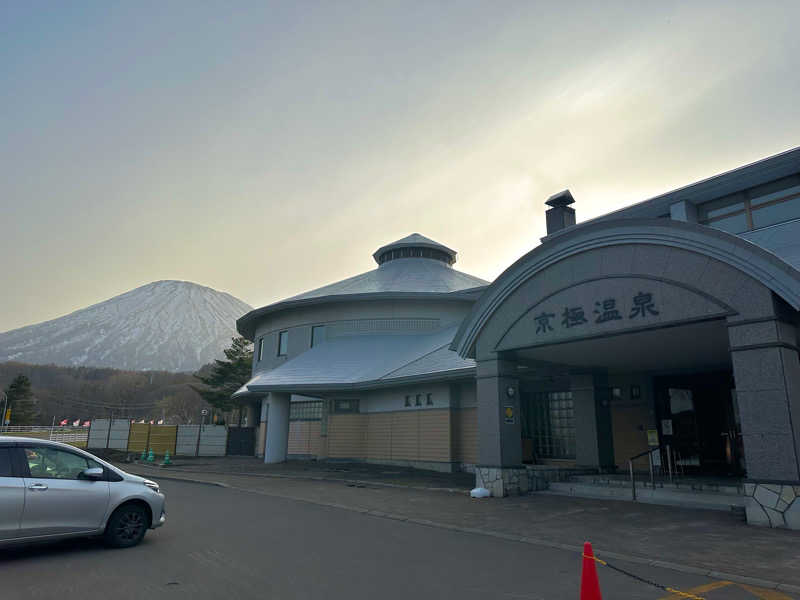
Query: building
672	323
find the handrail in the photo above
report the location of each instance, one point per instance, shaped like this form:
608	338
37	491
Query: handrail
649	454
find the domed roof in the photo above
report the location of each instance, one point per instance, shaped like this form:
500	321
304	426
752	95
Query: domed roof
412	264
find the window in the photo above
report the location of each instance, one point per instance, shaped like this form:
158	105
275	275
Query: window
551	424
345	406
310	410
317	335
429	399
283	343
51	463
5	462
260	349
756	208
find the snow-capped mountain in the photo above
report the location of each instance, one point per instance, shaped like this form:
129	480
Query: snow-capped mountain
165	325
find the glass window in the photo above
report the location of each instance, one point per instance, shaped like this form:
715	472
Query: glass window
5	462
260	348
713	213
784	194
283	343
776	213
733	224
551	425
310	410
317	335
51	463
345	406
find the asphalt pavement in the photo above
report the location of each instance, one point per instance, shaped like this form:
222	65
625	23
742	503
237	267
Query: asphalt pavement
225	543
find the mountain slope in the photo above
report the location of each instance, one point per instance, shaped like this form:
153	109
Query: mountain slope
165	325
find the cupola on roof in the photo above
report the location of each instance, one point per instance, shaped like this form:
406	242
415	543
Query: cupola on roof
415	246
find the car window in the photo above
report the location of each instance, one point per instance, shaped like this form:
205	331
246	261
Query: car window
5	462
52	463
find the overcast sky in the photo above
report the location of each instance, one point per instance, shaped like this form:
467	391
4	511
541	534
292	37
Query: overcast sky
264	149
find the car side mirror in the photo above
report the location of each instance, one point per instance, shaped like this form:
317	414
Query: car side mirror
93	473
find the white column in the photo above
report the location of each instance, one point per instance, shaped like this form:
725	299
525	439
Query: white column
277	428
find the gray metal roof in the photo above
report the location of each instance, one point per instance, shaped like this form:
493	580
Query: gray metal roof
407	278
401	275
415	240
365	361
782	239
750	175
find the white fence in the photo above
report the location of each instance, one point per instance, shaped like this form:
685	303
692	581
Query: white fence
71	435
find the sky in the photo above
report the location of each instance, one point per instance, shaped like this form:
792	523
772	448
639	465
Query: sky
268	148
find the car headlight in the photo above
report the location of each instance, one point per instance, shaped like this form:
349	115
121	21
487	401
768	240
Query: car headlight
151	484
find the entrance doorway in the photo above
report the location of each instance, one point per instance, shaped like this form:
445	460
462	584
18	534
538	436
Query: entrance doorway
697	417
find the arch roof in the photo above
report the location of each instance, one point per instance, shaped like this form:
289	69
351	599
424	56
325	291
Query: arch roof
753	260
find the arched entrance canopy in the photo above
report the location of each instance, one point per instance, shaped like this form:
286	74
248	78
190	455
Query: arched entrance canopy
749	259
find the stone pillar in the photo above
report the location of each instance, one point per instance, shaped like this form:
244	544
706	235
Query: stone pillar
499	467
277	428
766	368
594	444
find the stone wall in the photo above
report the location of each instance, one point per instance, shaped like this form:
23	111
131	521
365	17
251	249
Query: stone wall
502	482
773	505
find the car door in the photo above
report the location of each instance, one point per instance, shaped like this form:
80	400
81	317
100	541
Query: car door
57	499
12	497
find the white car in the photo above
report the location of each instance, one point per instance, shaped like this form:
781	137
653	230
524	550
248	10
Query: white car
50	491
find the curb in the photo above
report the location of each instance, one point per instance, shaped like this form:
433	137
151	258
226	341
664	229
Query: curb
357	482
712	573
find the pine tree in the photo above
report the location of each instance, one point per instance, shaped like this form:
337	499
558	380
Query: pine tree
24	410
226	376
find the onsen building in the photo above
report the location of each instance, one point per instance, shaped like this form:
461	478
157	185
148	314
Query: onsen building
665	333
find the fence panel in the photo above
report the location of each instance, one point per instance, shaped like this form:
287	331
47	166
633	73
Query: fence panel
98	434
212	440
162	438
138	437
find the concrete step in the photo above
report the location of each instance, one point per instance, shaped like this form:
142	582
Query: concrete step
679	485
667	497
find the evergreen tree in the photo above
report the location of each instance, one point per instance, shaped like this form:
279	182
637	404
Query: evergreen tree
21	402
224	377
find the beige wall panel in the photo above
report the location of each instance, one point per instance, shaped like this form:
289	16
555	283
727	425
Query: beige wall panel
465	435
405	435
346	436
434	435
379	436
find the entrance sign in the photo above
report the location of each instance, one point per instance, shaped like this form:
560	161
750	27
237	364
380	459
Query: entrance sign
609	305
666	426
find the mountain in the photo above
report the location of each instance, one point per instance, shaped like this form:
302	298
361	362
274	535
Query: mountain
165	326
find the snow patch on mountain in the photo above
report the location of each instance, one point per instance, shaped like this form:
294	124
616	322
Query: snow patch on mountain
165	325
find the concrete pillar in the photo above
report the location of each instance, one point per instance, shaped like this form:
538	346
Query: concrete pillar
594	443
766	368
767	373
499	468
261	435
277	428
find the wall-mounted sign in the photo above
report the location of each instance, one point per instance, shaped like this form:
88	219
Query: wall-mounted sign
652	437
666	426
508	414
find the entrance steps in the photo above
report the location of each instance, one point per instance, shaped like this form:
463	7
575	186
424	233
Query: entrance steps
726	495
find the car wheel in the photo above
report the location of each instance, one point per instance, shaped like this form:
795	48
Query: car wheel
126	527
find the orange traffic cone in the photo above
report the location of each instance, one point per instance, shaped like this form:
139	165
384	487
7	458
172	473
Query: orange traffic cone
590	585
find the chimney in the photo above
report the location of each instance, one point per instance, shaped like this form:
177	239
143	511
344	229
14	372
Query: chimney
561	215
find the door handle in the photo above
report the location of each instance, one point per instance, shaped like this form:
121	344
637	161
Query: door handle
37	486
